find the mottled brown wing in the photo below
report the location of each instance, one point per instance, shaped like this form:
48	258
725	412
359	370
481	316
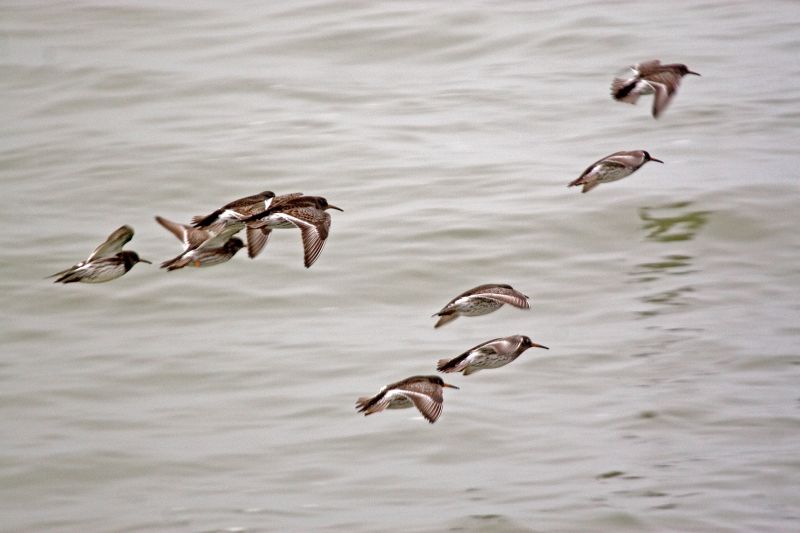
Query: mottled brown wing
283	199
507	296
426	397
427	406
314	225
256	240
248	202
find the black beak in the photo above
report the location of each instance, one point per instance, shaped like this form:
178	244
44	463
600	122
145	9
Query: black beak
695	73
334	207
656	160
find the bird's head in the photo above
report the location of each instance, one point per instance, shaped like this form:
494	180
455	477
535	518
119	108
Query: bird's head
684	70
323	204
528	343
439	381
132	258
648	157
234	245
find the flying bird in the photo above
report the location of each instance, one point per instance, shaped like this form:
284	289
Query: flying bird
481	300
490	354
202	247
307	213
650	77
422	392
105	263
103	269
612	168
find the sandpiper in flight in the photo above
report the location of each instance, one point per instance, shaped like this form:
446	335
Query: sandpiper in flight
490	354
481	300
650	77
105	263
307	213
422	392
201	248
612	168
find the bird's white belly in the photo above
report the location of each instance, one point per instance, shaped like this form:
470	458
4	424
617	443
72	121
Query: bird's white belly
643	87
101	275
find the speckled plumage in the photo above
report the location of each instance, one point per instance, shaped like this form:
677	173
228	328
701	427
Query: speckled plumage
307	213
490	354
422	392
481	300
650	77
612	168
258	235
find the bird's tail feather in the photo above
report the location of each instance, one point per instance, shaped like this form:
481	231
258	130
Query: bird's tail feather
443	365
175	263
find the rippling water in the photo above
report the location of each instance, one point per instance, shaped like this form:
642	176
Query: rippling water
222	399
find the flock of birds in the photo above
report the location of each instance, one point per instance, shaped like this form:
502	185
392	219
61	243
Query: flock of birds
210	240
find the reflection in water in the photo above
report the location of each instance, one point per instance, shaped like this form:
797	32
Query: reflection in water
675	265
668	224
679	227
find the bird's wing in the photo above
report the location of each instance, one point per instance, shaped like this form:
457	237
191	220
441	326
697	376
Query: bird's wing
512	298
428	403
646	67
314	225
246	202
500	345
663	95
485	348
113	244
283	199
630	159
670	79
256	240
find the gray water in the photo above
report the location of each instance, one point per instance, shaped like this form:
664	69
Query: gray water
221	399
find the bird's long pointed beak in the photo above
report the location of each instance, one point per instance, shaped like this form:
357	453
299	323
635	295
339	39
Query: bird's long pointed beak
656	160
695	73
449	386
334	207
539	346
145	261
